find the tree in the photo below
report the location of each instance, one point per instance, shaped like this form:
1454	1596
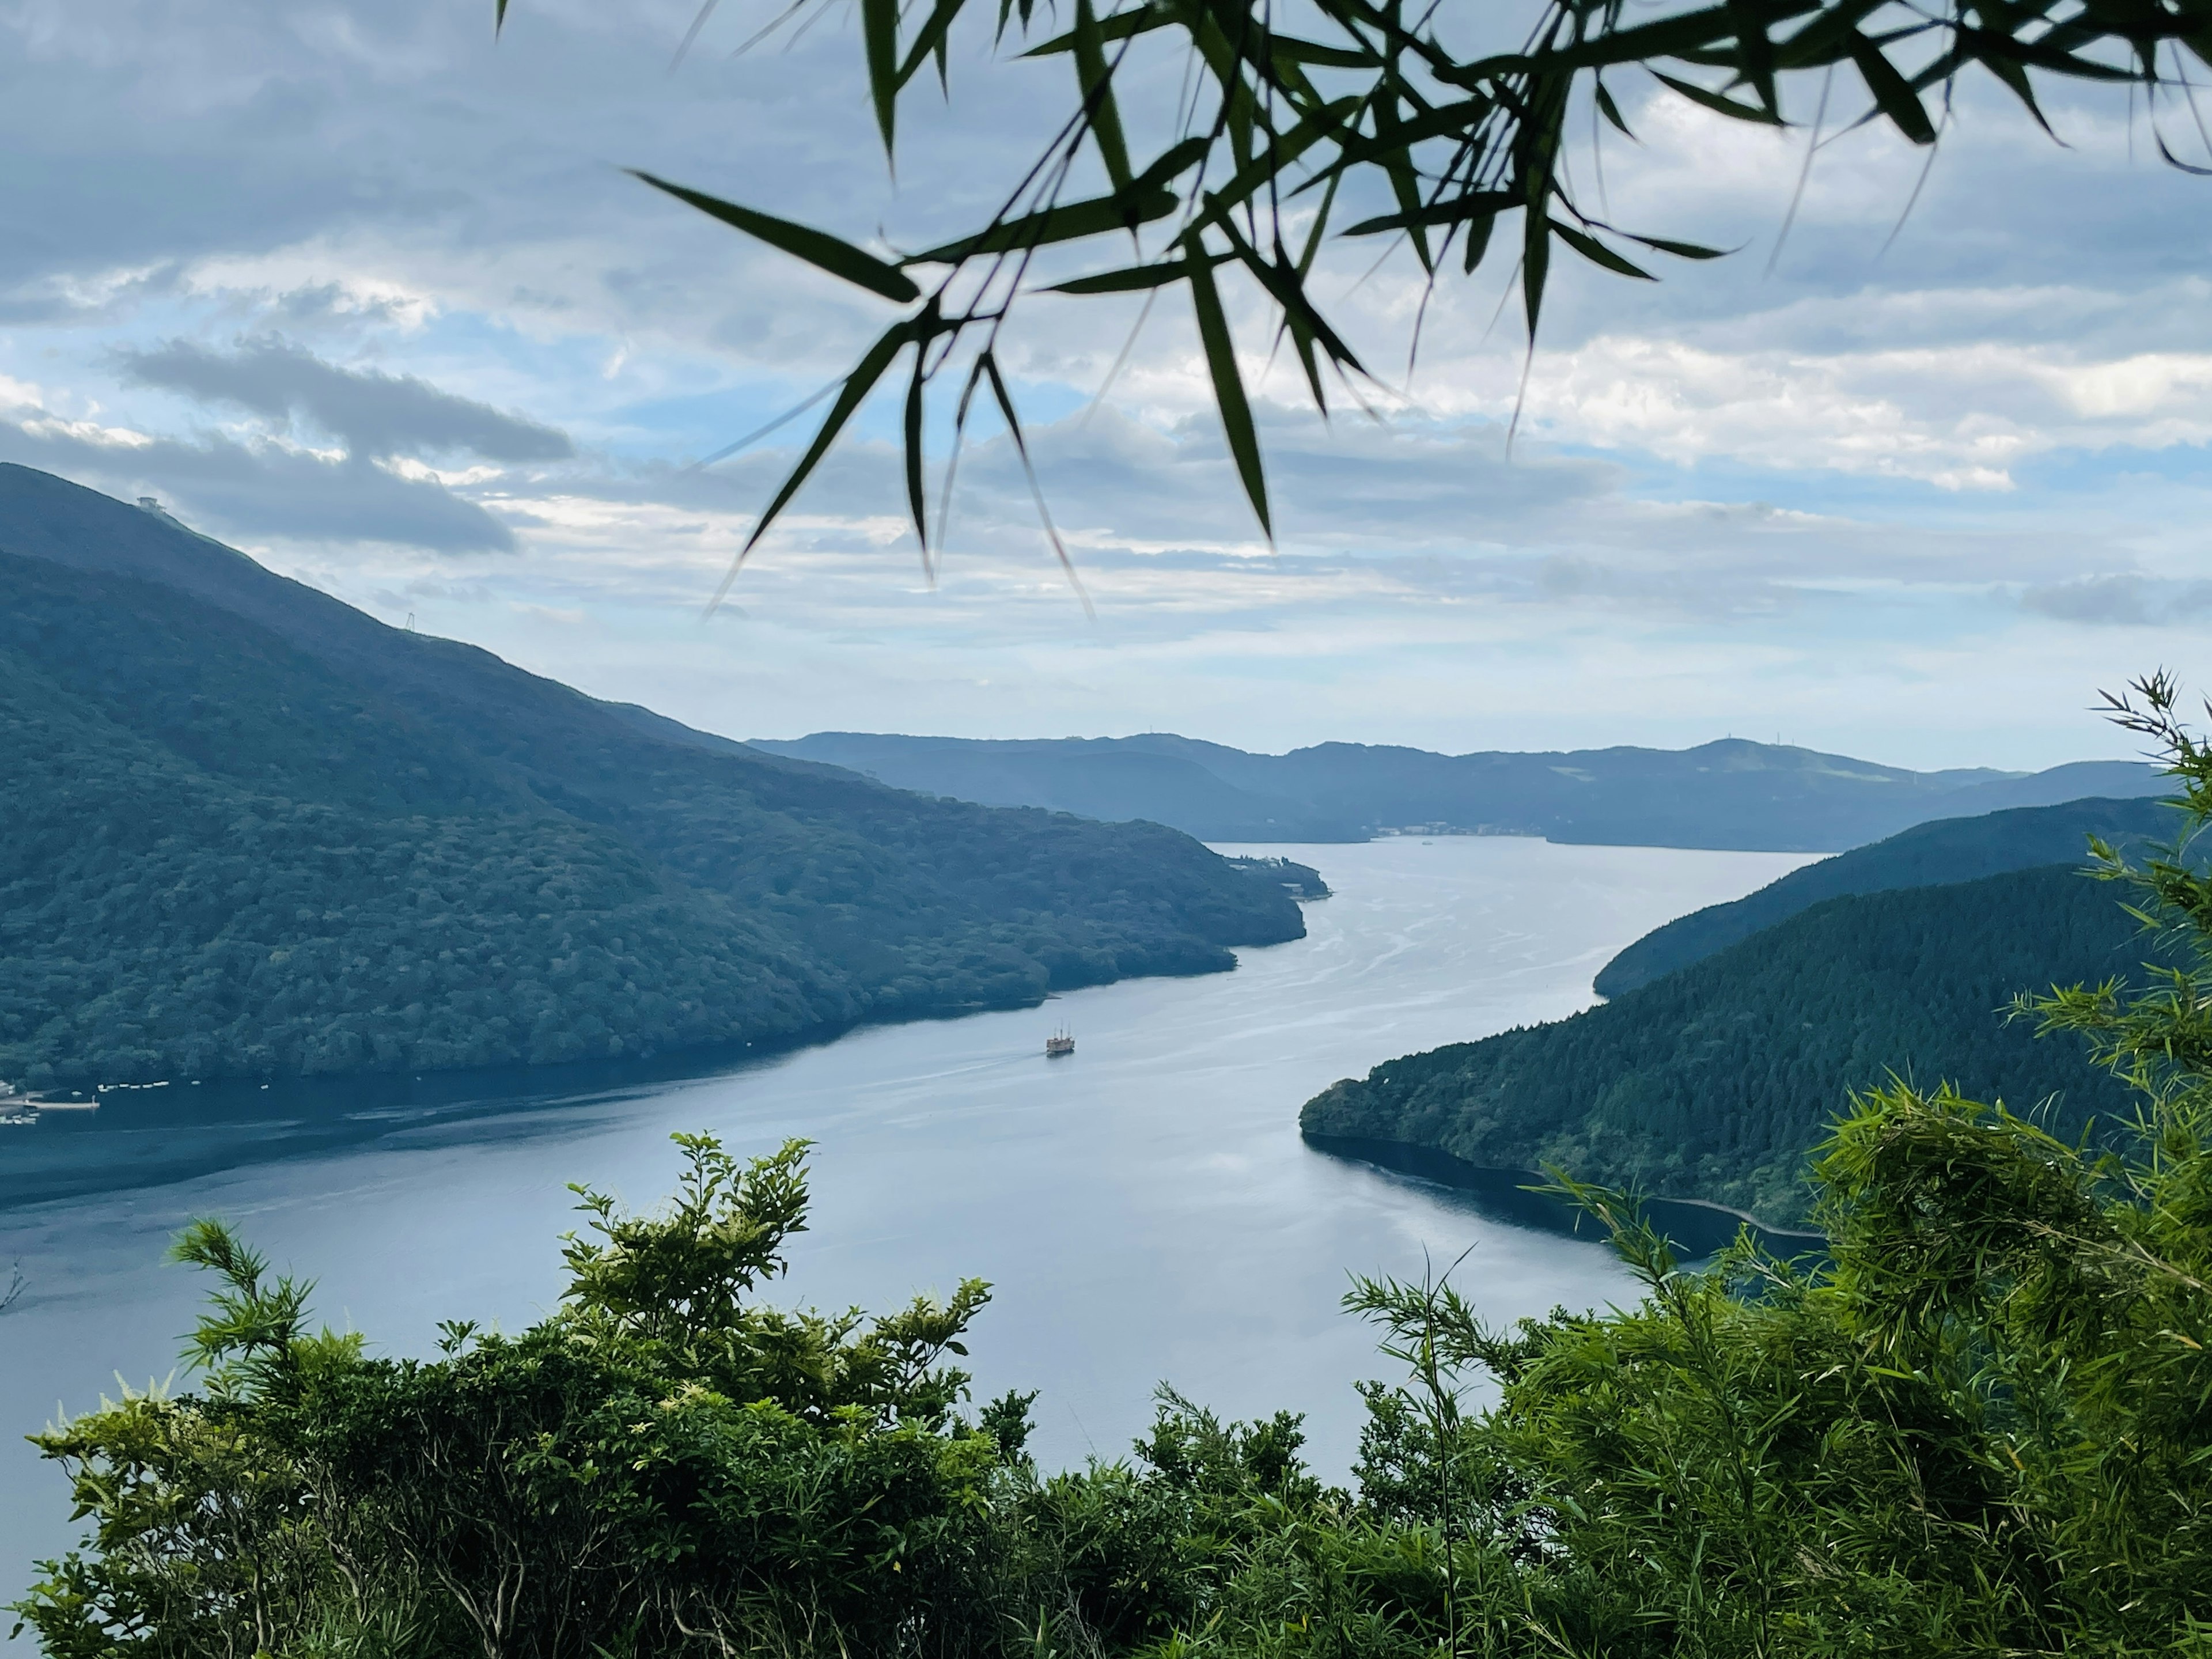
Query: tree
1297	121
1977	1426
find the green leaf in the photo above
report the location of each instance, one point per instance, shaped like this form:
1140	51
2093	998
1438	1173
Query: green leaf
1680	250
1286	286
1535	261
989	363
1597	252
819	248
1405	183
1277	156
1291	50
879	28
1990	46
1142	20
1302	341
2008	70
1091	217
1228	389
1668	37
1097	85
1173	162
1610	110
1827	38
1478	241
1136	279
1895	99
935	34
1474	204
1441	121
1754	55
1719	105
912	445
860	382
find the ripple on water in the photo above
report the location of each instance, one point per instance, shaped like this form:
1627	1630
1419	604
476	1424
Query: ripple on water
1145	1207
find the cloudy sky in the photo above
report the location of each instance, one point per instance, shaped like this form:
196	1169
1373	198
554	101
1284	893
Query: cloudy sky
366	293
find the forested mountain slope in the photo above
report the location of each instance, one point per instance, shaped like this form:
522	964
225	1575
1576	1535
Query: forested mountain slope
1714	1081
1926	855
245	830
1733	793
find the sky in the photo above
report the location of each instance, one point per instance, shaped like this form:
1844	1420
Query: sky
369	294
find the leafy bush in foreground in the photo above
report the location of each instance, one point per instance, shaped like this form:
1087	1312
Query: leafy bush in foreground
1982	1426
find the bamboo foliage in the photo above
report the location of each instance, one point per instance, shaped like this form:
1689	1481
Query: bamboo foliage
1295	120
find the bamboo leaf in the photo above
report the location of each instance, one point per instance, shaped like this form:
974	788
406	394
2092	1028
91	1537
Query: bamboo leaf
1535	261
1475	204
1754	55
1173	162
1096	81
1228	389
1277	157
1478	241
1405	183
1597	252
932	39
1895	99
819	248
1718	104
1680	250
1143	19
1827	40
1610	110
1284	285
913	446
989	364
2008	70
1668	37
879	30
1302	341
1243	28
1988	46
860	382
1440	121
1091	217
1136	279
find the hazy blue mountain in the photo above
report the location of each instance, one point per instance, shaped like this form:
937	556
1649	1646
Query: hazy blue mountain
1732	793
2059	784
1116	779
1926	855
245	829
1714	1081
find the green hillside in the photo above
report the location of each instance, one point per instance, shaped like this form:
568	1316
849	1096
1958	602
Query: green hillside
1715	1081
249	830
1926	855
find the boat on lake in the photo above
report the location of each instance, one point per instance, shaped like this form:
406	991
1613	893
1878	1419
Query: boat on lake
1059	1043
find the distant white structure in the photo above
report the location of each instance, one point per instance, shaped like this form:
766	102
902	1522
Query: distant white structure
149	504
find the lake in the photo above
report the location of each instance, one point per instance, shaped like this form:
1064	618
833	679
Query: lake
1145	1207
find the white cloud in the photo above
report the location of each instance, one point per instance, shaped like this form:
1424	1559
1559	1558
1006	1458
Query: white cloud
1869	484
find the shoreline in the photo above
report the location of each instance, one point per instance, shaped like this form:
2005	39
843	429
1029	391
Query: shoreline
1698	1227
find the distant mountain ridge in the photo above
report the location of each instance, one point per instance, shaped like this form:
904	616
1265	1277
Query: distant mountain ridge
1732	793
1926	855
246	829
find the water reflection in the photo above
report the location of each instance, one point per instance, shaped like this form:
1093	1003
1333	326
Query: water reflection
1145	1207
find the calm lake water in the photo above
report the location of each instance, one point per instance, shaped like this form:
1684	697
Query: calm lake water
1145	1209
